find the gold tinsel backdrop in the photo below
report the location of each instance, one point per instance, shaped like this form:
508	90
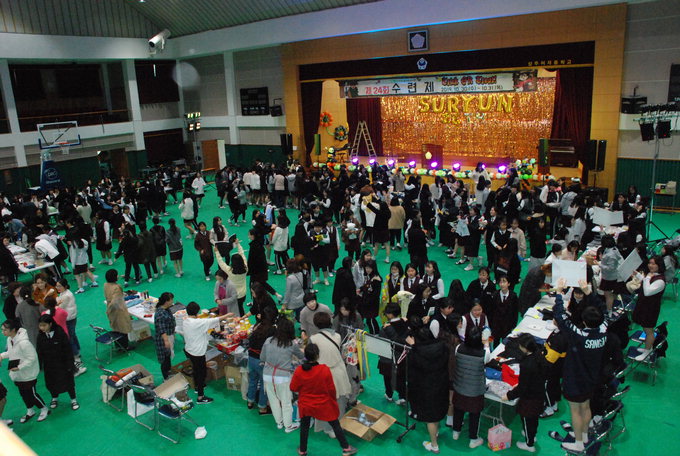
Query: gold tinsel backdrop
469	125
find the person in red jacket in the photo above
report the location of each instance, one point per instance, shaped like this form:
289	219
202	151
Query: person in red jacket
314	384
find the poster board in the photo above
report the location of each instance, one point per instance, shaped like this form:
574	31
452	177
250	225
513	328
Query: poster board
571	271
605	217
379	346
629	265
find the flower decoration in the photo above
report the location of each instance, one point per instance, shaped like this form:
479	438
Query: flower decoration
325	119
340	133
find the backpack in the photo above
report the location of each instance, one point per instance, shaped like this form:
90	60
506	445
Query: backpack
158	235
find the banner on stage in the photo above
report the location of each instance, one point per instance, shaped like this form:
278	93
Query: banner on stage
507	81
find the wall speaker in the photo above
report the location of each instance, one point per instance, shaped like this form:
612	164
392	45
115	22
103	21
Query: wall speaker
663	129
276	110
592	155
601	154
647	131
287	143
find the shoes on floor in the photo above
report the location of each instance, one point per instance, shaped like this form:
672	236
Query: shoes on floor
204	400
469	267
474	443
27	417
292	428
44	412
349	451
523	446
54	403
431	448
74	404
455	435
389	398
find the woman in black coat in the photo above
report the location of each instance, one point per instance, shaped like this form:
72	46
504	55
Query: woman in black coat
56	360
344	286
428	382
531	388
369	301
129	248
8	265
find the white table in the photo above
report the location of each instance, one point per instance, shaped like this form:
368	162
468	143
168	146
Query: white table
145	311
26	259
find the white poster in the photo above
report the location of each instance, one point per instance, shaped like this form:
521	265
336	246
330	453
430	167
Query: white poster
629	265
571	271
605	217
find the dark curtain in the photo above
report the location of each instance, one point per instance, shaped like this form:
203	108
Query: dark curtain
367	109
311	110
571	114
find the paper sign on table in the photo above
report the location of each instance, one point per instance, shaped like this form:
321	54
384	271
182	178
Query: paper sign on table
629	265
605	217
571	271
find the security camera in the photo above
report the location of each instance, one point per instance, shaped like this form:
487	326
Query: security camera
158	41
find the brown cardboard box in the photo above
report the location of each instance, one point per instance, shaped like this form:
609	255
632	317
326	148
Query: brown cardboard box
381	422
232	376
219	362
147	378
172	386
186	370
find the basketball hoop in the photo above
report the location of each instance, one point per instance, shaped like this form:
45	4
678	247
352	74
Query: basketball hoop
65	147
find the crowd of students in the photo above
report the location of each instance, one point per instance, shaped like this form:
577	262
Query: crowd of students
363	213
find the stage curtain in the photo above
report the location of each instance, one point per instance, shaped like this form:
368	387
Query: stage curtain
310	93
572	109
367	109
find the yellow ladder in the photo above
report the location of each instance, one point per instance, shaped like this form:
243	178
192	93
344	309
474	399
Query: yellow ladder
362	132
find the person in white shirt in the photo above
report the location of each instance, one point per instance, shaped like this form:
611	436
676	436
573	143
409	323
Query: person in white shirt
198	185
196	344
67	301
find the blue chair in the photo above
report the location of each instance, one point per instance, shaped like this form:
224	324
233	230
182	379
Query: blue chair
149	399
117	389
167	409
109	339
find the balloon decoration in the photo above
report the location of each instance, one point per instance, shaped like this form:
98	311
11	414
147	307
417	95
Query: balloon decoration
428	155
325	119
340	133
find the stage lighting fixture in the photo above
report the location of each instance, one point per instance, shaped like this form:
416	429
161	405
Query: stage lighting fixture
371	161
390	162
433	164
483	166
355	160
412	164
456	166
502	169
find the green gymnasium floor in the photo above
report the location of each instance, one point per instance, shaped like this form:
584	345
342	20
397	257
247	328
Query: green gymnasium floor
97	429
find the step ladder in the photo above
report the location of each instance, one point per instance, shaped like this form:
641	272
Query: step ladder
362	132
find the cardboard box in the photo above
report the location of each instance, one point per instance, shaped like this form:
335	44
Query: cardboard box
171	386
381	422
147	378
141	330
232	376
186	370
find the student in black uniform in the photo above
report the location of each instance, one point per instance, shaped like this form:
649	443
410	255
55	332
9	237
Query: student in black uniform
581	366
481	289
504	311
396	330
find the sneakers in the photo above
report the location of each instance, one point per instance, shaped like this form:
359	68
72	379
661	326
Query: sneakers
80	369
349	450
316	282
469	267
277	272
292	428
387	260
27	416
126	283
549	411
474	443
389	398
331	274
575	447
400	401
44	412
54	403
74	404
204	400
207	278
429	447
525	447
326	282
8	423
178	275
80	290
110	262
149	280
94	284
643	355
455	435
103	261
279	425
462	261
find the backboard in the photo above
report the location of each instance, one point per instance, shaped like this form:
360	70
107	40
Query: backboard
58	135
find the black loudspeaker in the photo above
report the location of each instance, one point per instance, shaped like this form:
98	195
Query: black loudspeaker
276	110
543	152
601	154
663	129
647	131
592	155
287	144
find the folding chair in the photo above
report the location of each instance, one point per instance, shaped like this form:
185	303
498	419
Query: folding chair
117	389
108	339
151	401
651	360
169	410
614	413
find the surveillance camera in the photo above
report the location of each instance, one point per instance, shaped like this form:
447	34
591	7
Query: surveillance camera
158	41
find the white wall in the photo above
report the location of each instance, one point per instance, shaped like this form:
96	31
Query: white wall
652	45
203	84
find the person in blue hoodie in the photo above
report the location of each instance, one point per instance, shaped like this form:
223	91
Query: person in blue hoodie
582	365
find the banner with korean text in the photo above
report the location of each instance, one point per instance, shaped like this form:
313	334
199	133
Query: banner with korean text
511	81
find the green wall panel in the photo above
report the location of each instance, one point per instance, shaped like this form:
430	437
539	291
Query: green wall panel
243	155
638	172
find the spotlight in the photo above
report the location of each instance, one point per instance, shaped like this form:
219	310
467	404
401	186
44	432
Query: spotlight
433	164
483	166
390	162
456	166
371	161
355	160
502	169
412	164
